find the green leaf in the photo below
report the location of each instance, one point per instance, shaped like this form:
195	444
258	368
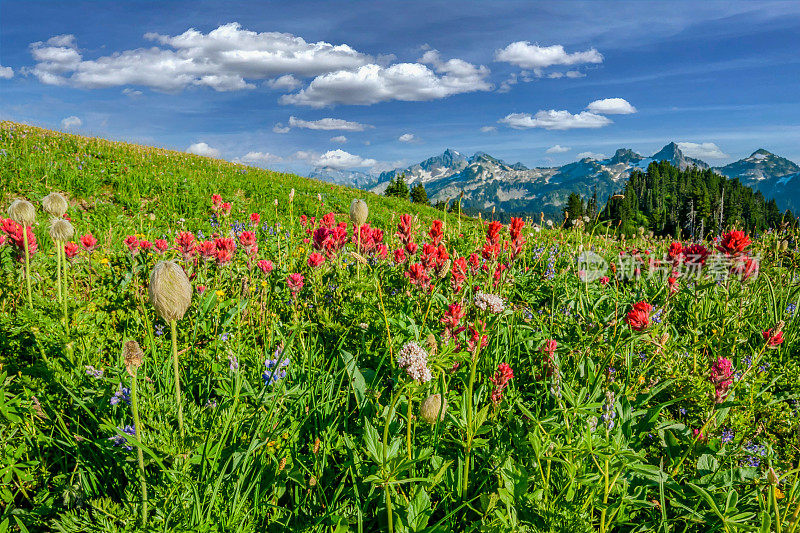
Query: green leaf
419	510
356	378
373	442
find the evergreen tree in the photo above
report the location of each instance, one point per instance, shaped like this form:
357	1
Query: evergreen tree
418	194
575	207
397	187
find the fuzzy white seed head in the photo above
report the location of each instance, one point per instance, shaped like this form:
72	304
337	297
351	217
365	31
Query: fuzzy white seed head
291	196
61	230
170	291
132	355
358	212
22	212
430	408
55	204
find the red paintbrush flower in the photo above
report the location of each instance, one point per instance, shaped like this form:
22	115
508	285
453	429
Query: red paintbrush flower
639	317
265	266
734	242
88	242
773	337
315	260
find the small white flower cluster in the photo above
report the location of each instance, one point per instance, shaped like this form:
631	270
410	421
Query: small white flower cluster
414	360
490	302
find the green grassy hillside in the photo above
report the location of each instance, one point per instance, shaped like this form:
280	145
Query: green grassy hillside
108	181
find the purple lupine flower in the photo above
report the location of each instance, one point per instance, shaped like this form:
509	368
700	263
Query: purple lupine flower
122	394
92	371
275	368
727	435
120	439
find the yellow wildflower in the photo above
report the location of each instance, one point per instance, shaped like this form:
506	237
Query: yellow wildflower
220	293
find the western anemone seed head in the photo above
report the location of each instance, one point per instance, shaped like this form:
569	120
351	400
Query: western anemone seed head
22	212
443	269
358	212
133	355
61	230
170	290
359	258
55	204
431	406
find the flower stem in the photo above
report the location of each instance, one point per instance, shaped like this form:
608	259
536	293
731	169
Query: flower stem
470	429
389	413
64	291
27	266
408	426
58	266
139	453
173	326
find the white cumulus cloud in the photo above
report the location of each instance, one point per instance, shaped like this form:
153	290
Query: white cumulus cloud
488	129
558	149
702	150
204	149
280	128
532	56
335	159
261	158
611	106
409	82
286	82
407	138
131	93
339	139
6	73
71	122
591	155
327	124
223	59
555	120
231	58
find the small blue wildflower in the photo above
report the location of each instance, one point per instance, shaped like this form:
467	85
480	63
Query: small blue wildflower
656	316
727	435
609	414
120	440
755	453
275	368
159	329
122	394
233	363
223	337
92	371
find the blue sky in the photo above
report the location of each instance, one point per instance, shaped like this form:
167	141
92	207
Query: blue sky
372	85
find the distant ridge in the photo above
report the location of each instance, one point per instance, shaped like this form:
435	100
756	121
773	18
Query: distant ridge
488	182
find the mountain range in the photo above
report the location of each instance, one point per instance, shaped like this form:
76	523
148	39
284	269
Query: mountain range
487	182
